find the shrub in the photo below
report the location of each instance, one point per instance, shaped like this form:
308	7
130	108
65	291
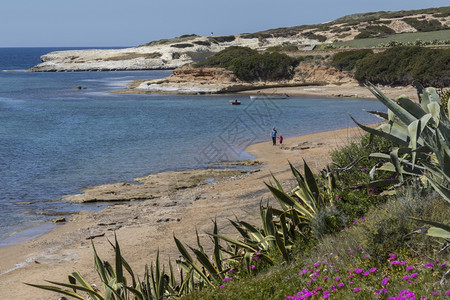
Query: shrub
402	65
346	61
313	36
221	39
202	43
424	25
373	31
249	65
182	45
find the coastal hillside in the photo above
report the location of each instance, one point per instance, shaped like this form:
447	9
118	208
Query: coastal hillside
375	29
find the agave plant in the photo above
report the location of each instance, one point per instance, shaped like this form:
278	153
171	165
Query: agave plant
305	201
155	285
423	133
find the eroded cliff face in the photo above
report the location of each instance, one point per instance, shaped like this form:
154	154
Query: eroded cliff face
189	80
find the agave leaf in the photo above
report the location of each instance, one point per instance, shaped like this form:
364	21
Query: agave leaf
58	290
396	162
442	190
101	270
382	134
311	181
207	264
191	262
217	252
399	111
435	110
119	266
289	201
138	294
433	223
413	132
408	171
412	107
438	232
379	114
281	246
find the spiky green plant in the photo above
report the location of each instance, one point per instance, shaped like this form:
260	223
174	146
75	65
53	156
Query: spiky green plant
154	286
423	133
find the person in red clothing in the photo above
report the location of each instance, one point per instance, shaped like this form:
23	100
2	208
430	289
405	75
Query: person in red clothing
281	139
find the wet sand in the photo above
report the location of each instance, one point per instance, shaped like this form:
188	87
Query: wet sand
145	226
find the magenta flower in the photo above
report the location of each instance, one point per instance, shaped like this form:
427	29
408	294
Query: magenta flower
383	290
350	276
222	286
406	277
413	275
333	288
436	293
363	219
354	221
325	278
429	265
395	262
338	278
351	251
409	268
355	290
443	265
358	271
393	256
384	281
373	270
340	284
252	267
366	274
226	279
447	293
316	265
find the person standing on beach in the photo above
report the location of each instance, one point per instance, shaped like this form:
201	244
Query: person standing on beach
280	139
274	136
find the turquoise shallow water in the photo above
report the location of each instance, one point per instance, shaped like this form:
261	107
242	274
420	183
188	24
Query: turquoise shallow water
56	139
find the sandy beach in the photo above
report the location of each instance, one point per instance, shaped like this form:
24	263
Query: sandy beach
144	227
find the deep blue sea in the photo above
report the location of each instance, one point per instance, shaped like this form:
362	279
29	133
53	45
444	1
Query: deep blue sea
56	139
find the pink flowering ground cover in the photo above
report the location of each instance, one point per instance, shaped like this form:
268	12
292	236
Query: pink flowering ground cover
397	278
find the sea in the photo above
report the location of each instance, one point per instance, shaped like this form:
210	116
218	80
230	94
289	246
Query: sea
57	138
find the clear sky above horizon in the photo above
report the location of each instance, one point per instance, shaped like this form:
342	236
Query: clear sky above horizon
108	23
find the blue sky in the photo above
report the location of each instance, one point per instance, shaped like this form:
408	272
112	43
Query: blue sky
66	23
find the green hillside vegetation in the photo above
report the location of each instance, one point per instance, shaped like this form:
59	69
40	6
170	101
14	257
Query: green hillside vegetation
404	64
409	37
249	65
346	61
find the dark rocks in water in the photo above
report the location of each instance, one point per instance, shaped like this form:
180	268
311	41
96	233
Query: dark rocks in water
59	220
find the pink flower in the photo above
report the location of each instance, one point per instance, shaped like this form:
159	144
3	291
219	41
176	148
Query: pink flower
384	281
395	262
226	279
340	284
409	268
383	290
406	277
355	290
363	219
413	275
358	271
354	221
333	288
316	265
365	273
325	278
222	286
443	265
393	256
252	267
350	276
447	293
373	270
351	251
338	278
429	265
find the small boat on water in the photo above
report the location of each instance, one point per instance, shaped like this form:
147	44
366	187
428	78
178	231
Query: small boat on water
235	102
269	97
